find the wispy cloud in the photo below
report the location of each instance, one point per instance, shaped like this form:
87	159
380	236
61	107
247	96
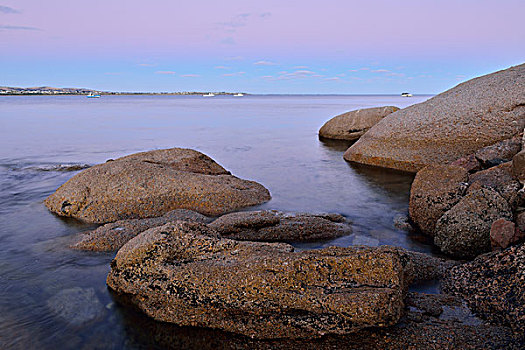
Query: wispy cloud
190	75
235	22
234	58
265	63
301	67
233	74
7	9
298	74
228	41
265	15
332	79
5	27
221	67
113	73
146	65
165	72
380	71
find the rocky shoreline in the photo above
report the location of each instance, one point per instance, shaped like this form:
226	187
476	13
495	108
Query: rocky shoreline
188	256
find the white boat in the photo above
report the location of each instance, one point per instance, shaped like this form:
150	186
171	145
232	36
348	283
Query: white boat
406	94
238	95
93	95
208	95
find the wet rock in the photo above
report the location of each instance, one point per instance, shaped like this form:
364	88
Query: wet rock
352	125
426	324
273	226
364	240
184	273
76	306
451	125
464	230
500	152
500	179
402	222
493	285
520	221
518	166
502	233
469	163
436	189
112	236
149	184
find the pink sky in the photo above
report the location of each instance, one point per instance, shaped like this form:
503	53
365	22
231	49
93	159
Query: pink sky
271	31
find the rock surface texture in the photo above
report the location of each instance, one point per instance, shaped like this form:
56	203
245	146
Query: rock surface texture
273	226
464	230
352	125
184	273
113	236
451	125
436	189
493	286
149	184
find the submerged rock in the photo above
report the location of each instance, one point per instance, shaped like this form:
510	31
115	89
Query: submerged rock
352	125
436	189
493	285
186	274
464	230
76	306
112	236
149	184
451	125
272	226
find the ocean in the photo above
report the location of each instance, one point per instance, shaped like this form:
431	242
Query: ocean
45	140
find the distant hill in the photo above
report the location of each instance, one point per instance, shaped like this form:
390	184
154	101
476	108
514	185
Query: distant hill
44	90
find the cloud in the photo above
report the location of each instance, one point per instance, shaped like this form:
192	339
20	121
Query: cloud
299	74
235	58
300	67
380	71
221	67
190	75
233	74
165	72
265	14
332	79
235	22
228	41
265	63
7	9
146	64
19	28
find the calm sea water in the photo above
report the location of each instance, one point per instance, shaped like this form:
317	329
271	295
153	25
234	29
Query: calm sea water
270	139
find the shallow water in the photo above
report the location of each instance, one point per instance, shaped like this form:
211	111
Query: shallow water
270	139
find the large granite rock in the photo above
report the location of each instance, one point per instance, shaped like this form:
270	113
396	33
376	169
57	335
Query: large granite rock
149	184
493	286
113	236
184	273
451	125
273	226
352	125
435	189
464	230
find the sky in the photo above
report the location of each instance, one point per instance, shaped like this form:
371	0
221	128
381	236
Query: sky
284	46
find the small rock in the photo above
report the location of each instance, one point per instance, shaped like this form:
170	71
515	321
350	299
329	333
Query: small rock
518	166
464	230
502	233
76	306
493	286
500	179
351	125
469	163
436	189
112	236
402	222
274	226
499	152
